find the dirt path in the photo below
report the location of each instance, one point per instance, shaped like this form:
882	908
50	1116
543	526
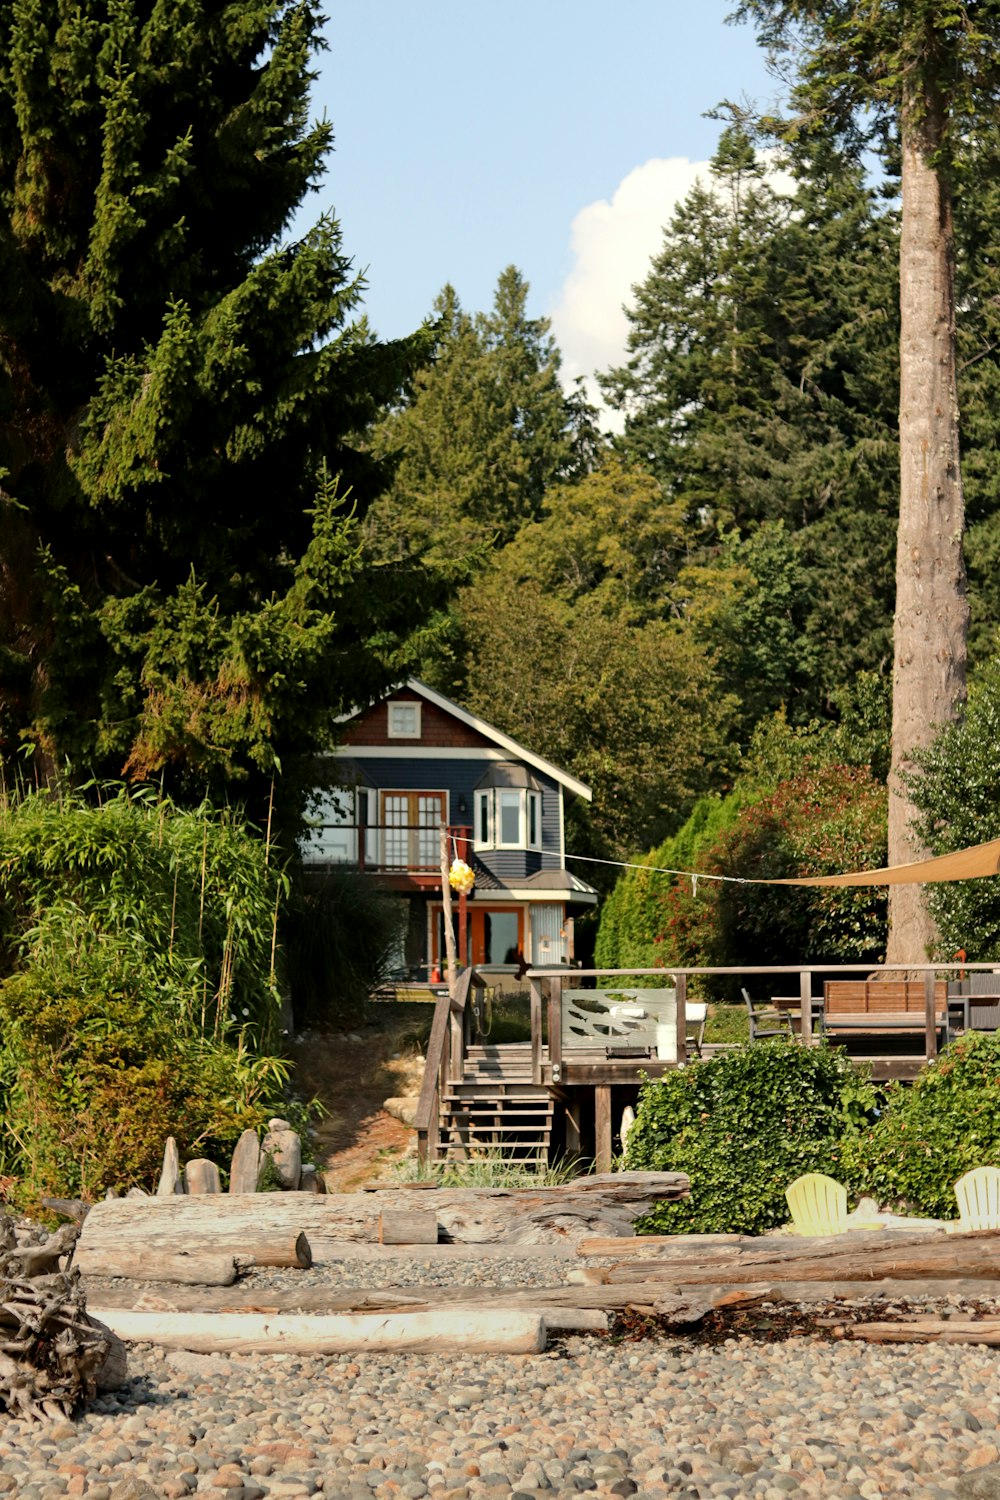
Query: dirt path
351	1074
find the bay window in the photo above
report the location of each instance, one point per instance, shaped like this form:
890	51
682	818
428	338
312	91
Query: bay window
508	818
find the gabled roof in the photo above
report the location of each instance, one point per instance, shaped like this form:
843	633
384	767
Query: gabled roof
501	740
578	788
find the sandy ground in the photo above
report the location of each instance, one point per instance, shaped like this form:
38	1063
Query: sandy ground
352	1073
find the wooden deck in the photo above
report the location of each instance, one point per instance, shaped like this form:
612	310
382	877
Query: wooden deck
564	1090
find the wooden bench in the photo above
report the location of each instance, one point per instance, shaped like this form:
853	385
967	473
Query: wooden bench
861	1007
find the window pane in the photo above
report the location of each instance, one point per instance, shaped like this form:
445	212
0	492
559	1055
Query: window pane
500	937
510	817
403	719
532	819
483	802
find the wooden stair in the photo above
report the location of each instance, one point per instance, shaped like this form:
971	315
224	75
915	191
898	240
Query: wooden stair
496	1110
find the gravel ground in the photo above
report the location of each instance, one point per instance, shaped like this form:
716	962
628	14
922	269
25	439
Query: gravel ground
664	1416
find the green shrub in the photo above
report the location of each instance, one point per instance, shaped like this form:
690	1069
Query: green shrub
743	1127
341	934
138	996
103	1076
727	1024
935	1129
956	792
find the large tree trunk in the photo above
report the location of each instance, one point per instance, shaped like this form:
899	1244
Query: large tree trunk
932	609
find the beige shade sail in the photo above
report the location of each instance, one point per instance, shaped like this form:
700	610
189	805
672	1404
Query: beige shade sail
964	864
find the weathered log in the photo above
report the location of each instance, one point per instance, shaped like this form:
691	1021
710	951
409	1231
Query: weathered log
407	1227
927	1330
293	1251
40	1260
656	1245
695	1248
67	1208
609	1203
491	1332
114	1371
861	1257
50	1352
198	1268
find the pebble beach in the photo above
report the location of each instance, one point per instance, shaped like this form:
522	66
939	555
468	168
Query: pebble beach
661	1416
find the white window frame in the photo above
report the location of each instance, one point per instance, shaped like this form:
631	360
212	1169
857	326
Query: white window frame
407	704
487	808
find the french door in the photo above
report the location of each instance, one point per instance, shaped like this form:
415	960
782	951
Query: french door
411	829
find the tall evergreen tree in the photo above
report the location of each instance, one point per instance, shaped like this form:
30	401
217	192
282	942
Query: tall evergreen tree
759	384
181	580
485	430
922	69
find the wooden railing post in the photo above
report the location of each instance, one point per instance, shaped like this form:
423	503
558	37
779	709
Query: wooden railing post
458	1005
806	1016
680	986
536	1030
930	1016
555	1023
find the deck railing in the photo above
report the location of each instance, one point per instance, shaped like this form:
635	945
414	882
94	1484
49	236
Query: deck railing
387	848
452	1029
547	984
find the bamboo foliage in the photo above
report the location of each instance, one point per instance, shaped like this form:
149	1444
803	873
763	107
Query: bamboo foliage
137	953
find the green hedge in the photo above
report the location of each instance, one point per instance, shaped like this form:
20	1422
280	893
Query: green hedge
935	1129
745	1125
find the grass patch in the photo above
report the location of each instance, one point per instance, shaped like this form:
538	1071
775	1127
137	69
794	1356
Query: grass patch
727	1023
489	1169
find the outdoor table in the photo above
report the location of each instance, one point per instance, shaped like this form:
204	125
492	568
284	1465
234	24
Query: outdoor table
791	1005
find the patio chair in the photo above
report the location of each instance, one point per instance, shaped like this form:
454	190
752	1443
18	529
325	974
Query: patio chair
818	1205
766	1020
978	1194
695	1016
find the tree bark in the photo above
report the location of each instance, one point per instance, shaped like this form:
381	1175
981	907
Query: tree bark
932	611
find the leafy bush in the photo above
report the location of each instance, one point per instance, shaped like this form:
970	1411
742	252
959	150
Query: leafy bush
634	928
743	1127
727	1024
935	1129
341	934
139	997
956	792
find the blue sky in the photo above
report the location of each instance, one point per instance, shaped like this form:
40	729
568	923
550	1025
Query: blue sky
554	134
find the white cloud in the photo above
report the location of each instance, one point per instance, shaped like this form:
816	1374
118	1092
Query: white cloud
612	245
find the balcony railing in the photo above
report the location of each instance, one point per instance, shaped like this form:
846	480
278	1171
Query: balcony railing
386	848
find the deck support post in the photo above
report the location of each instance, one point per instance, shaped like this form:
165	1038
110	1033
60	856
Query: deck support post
680	982
555	988
602	1127
806	1009
536	1031
930	1025
571	1114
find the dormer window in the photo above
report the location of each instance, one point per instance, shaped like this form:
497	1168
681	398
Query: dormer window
404	719
508	804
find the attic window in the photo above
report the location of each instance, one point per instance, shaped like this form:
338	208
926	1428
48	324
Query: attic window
404	720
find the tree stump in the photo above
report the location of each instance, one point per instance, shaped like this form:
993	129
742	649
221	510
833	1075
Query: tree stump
52	1356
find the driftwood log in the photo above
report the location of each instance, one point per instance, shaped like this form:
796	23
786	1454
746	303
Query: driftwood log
608	1204
497	1331
53	1356
862	1256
